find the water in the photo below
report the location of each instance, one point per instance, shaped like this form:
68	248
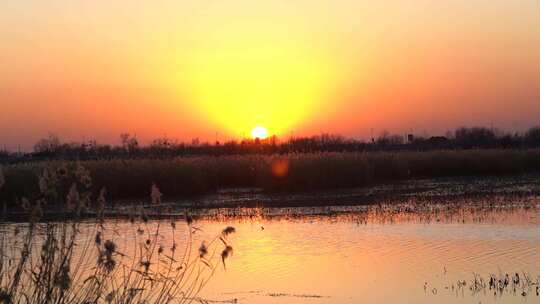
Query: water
325	260
410	253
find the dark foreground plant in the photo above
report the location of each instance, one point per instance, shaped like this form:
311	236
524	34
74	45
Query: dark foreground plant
75	261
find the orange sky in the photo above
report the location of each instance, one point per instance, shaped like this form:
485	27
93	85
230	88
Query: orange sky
185	69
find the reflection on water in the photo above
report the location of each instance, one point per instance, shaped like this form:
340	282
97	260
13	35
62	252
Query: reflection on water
406	253
383	255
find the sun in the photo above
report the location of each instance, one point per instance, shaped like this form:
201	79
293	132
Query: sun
259	132
253	71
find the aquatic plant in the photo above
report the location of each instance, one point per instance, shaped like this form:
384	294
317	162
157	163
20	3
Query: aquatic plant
515	283
129	178
53	262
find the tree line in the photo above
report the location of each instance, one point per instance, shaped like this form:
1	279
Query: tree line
129	146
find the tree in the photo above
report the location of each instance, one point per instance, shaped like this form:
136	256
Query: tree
532	137
129	143
49	144
386	139
474	137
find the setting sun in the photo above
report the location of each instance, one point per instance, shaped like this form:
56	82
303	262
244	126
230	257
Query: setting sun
259	132
253	71
330	151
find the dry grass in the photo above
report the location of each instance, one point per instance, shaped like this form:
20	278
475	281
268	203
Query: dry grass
56	262
292	172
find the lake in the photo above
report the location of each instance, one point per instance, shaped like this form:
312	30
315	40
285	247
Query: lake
339	260
386	253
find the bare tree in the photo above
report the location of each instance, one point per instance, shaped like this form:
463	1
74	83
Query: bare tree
49	144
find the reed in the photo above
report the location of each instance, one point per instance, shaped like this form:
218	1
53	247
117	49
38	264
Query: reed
53	262
516	283
180	177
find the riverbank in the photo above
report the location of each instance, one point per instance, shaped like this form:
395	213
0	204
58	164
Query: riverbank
443	191
291	173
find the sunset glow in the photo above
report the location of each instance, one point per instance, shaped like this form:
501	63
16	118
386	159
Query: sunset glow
259	132
190	69
251	70
269	151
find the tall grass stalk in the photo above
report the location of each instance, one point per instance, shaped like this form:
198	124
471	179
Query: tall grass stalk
75	261
127	179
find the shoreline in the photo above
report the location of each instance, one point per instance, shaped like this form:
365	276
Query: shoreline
461	190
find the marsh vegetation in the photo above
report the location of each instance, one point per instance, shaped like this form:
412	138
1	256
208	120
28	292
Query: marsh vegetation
76	261
157	251
187	176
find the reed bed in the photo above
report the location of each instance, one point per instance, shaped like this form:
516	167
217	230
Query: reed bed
181	177
492	210
76	261
515	283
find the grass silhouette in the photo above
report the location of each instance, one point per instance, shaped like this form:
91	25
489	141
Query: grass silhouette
185	176
53	262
